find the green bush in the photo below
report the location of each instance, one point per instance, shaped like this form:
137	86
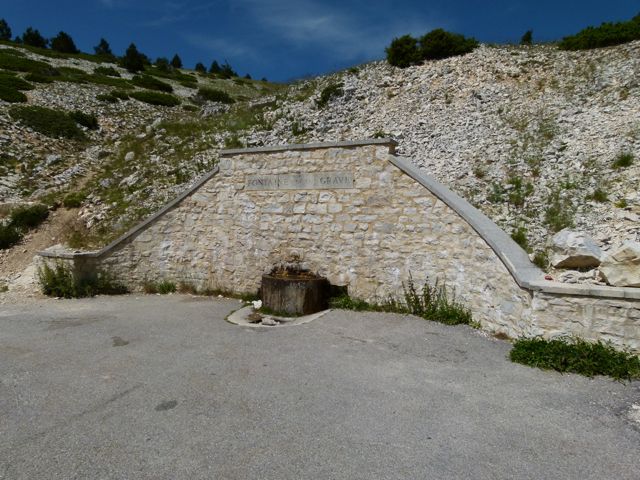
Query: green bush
53	123
559	212
10	81
108	71
38	78
151	83
120	94
156	98
623	160
60	282
598	195
28	217
85	119
577	356
403	52
9	61
329	93
107	97
9	236
541	260
606	35
439	44
12	96
519	235
213	95
163	287
74	200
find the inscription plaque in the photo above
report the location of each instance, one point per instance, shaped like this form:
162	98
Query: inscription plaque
300	181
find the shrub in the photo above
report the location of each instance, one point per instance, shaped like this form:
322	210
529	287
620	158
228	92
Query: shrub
163	287
12	96
10	81
623	160
439	44
214	95
15	63
598	195
559	213
156	98
329	93
74	200
28	217
133	60
85	119
60	282
519	235
63	43
120	94
577	356
527	38
151	83
606	35
33	38
52	123
541	260
108	71
38	78
9	236
5	30
431	303
403	52
107	97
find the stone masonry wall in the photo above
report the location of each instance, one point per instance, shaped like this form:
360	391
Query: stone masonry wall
371	237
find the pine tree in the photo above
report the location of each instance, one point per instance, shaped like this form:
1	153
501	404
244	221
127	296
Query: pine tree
200	68
527	38
63	43
103	49
215	68
34	38
5	30
133	60
176	62
162	64
227	71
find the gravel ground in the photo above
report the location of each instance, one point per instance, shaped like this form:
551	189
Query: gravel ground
163	387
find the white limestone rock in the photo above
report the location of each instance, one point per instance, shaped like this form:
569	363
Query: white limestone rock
621	268
573	249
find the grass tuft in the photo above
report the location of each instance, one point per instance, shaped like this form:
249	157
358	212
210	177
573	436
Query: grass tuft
59	281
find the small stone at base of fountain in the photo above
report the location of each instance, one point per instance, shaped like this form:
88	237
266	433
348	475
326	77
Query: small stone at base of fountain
269	322
254	317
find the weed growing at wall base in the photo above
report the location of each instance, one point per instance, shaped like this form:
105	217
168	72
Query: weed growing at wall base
576	356
432	302
60	281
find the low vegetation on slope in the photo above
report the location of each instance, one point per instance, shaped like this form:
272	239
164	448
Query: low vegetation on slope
435	45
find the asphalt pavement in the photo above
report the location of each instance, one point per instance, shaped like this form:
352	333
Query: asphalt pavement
162	387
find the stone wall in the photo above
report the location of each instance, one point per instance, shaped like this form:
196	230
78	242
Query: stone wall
387	223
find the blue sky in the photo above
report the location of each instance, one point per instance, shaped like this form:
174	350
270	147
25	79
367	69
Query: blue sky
285	39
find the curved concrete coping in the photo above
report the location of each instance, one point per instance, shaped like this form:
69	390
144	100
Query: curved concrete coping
311	146
138	228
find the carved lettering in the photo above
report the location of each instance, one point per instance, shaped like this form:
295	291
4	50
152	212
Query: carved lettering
300	181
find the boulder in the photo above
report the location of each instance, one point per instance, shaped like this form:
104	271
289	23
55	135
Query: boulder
621	268
573	249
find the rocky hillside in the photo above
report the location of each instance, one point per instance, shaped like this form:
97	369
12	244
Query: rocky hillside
537	138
